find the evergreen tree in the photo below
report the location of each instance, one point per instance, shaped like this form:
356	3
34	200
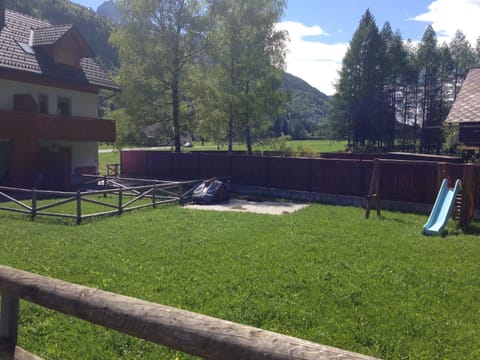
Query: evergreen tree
429	65
409	90
396	64
463	59
477	52
360	87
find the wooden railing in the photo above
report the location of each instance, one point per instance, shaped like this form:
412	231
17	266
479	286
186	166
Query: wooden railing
25	201
189	332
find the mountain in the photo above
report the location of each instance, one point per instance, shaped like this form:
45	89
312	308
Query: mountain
95	29
109	10
306	111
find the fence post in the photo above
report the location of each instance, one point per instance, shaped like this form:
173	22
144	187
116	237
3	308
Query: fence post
8	326
79	207
105	185
466	213
34	204
120	193
154	200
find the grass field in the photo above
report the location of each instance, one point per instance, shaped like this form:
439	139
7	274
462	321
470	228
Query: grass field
324	274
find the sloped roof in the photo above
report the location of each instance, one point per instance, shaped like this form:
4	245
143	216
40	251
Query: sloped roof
21	40
49	35
466	108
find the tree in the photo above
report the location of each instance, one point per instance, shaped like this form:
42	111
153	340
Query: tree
477	52
247	57
429	64
409	90
396	73
158	47
361	86
463	58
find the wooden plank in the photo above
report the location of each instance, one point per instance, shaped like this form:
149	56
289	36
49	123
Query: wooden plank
16	201
58	203
8	325
185	331
21	354
15	210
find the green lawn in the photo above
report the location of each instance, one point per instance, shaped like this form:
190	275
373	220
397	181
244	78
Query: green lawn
305	146
105	158
324	274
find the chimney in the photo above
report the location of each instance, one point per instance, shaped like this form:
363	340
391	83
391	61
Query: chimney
2	14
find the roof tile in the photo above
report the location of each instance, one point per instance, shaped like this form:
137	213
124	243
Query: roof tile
466	107
18	29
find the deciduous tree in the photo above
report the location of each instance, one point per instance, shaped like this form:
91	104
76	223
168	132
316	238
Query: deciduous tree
159	46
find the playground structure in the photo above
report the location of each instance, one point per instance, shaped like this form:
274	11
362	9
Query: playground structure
461	205
442	209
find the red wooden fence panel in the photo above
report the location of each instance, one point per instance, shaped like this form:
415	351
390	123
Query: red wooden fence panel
158	164
341	177
185	166
411	182
400	181
250	170
132	162
215	165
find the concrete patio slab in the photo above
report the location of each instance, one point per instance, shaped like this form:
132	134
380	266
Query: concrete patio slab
259	207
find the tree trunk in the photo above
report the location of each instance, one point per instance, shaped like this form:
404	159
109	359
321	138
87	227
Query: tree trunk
176	113
248	139
230	129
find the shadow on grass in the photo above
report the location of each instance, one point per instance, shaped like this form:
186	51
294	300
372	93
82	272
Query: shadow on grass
472	229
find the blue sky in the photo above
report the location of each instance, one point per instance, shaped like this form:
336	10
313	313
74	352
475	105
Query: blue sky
320	30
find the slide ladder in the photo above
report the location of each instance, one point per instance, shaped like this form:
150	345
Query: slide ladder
442	209
457	207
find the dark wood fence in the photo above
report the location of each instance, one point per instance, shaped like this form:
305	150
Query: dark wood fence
189	332
413	180
121	198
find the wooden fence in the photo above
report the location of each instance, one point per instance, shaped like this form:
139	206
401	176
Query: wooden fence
182	330
403	180
126	198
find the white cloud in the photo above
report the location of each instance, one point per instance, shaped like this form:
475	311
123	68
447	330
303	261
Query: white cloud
448	16
315	62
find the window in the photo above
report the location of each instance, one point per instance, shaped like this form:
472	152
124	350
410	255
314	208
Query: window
43	104
26	48
64	106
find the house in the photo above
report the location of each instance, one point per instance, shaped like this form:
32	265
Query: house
465	110
49	87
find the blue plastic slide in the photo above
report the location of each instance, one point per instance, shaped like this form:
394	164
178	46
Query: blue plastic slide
442	208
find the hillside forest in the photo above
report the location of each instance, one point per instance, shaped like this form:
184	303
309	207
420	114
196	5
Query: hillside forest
214	70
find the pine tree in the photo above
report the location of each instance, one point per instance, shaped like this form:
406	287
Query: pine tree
360	87
463	57
429	64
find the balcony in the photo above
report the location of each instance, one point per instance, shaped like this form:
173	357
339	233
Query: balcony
35	126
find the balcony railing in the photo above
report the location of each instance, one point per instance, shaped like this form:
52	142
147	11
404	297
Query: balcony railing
28	125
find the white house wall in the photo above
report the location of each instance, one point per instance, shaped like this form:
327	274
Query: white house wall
82	104
83	154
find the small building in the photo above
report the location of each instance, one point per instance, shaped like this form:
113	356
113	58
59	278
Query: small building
465	110
49	87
